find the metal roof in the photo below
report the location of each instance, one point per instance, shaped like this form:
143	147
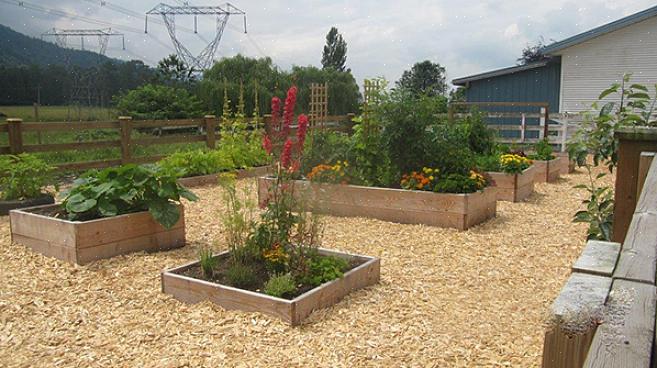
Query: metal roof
499	72
599	31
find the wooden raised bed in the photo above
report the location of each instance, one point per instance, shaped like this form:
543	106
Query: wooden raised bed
192	290
566	165
514	187
6	206
82	242
211	179
460	211
548	171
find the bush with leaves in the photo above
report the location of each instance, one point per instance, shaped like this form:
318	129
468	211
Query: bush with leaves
197	162
630	105
542	151
280	284
24	176
126	189
154	101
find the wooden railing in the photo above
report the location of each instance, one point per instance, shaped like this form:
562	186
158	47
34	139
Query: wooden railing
207	131
613	284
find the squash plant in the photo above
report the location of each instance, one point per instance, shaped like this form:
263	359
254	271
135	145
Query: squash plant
24	176
126	189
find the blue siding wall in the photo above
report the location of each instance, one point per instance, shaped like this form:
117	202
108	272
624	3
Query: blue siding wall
534	85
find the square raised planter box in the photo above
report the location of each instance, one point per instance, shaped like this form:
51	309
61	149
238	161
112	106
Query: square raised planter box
460	211
549	171
82	242
211	179
192	290
567	166
514	187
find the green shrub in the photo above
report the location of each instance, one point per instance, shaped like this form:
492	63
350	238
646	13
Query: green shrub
459	183
280	285
207	261
324	269
449	149
126	189
153	101
542	151
481	139
489	163
198	162
24	176
241	275
324	146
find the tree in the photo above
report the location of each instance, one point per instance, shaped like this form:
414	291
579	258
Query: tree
335	52
152	101
424	78
173	71
533	53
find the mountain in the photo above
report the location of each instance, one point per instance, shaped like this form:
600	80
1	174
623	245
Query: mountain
19	49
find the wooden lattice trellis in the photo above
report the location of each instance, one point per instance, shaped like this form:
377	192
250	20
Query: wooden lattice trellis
371	86
318	104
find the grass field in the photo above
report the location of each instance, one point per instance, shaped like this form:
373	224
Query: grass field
58	113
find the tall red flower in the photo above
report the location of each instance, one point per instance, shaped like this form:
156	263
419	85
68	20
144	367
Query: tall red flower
286	155
275	113
266	144
288	110
302	129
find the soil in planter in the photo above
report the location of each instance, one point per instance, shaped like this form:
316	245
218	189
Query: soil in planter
261	275
60	213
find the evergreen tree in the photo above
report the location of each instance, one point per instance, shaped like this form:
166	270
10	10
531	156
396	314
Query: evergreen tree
335	52
424	78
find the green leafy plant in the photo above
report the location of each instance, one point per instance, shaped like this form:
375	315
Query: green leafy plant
198	162
24	176
208	262
241	275
280	284
324	269
542	151
126	189
599	212
459	183
153	101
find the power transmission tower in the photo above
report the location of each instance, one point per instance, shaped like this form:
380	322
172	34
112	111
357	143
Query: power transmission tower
205	58
83	84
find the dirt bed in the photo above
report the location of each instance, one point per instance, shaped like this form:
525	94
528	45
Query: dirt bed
446	299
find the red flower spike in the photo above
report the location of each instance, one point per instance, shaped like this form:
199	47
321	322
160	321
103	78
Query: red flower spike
275	112
286	155
267	145
288	110
302	129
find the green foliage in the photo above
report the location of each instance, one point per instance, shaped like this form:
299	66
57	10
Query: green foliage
239	219
457	183
599	212
153	101
323	146
126	189
241	275
324	269
208	262
198	162
424	78
334	55
449	149
280	285
481	139
542	151
489	163
24	176
172	71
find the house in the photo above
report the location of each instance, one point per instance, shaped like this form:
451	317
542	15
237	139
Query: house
579	68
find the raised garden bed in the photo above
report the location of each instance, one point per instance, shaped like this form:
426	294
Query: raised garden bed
6	206
460	211
567	166
211	179
513	187
182	285
82	242
549	171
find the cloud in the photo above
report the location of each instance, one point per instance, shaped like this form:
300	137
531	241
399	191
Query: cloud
384	37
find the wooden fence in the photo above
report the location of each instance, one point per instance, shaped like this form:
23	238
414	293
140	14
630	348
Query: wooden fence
616	280
205	130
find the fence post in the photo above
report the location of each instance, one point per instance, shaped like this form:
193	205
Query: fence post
542	134
125	123
523	124
450	113
210	126
15	130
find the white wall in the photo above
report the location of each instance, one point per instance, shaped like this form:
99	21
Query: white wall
591	67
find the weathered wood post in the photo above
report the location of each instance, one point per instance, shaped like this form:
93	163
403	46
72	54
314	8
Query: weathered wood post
631	142
210	126
125	124
645	160
15	130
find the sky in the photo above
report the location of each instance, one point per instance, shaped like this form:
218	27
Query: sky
384	37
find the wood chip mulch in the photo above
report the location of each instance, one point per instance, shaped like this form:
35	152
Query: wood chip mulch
446	299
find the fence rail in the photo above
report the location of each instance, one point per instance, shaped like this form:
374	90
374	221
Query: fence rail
207	130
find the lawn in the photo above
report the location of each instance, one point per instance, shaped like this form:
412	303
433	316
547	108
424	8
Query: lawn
476	298
58	113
